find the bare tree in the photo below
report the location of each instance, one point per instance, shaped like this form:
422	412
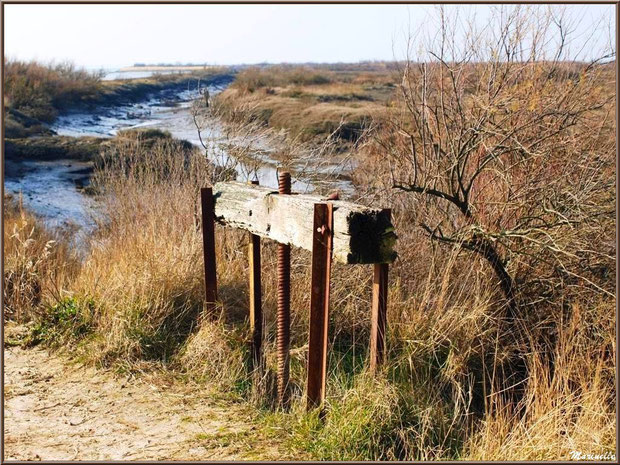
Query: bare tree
217	142
505	133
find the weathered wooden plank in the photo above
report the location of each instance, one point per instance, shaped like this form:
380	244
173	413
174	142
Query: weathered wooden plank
361	234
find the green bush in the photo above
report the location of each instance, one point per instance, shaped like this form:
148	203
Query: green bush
377	420
67	321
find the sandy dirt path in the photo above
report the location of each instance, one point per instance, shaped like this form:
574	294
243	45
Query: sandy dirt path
57	410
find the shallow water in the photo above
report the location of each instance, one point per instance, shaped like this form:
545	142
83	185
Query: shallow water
50	190
120	75
106	121
49	187
171	114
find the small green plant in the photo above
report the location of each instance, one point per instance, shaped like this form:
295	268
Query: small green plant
376	420
67	320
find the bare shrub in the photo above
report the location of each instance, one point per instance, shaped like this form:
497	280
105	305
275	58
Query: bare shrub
505	141
252	79
40	91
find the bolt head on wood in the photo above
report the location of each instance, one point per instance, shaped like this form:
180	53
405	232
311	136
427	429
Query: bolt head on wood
334	196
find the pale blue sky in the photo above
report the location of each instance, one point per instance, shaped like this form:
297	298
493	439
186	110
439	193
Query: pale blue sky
111	36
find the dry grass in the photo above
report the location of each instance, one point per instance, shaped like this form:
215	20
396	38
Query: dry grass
567	407
144	266
442	393
452	354
37	263
436	398
40	91
309	102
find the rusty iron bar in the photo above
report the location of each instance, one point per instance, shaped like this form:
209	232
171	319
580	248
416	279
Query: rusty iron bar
256	312
322	239
284	304
378	316
208	247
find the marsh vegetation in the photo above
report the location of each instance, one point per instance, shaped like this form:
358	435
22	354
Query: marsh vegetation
498	161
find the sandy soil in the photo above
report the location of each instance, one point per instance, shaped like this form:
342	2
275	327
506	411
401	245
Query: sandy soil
57	410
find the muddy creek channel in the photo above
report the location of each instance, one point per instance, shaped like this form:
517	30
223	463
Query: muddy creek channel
52	189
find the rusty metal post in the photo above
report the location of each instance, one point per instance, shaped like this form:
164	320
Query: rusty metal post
256	312
378	317
284	305
208	246
322	236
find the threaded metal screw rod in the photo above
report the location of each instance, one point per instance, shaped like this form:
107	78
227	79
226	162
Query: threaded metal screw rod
284	305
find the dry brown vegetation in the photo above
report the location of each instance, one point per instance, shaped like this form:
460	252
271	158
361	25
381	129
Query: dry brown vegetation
138	297
40	91
37	264
312	101
512	154
35	93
